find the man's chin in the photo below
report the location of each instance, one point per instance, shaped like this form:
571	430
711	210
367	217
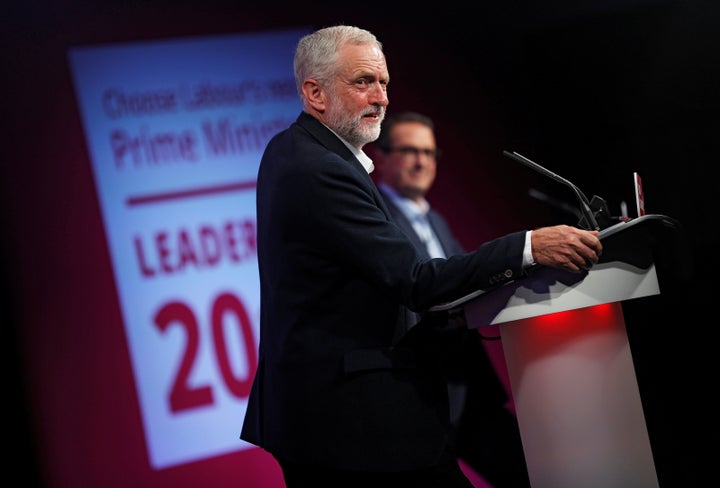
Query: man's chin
371	133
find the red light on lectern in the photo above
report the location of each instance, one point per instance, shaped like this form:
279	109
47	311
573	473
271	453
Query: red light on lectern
551	330
573	317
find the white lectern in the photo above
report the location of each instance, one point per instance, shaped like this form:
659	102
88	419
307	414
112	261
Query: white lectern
570	366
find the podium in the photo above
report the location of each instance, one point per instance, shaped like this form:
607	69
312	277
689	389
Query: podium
569	361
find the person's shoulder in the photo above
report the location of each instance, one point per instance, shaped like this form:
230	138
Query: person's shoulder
437	215
310	124
299	135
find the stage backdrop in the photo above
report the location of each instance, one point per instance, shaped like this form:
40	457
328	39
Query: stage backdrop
175	131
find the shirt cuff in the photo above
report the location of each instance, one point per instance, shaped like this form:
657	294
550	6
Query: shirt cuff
527	251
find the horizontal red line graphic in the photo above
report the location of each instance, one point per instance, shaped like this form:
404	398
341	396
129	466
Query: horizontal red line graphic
195	192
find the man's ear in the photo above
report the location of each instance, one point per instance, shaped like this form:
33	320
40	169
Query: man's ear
314	94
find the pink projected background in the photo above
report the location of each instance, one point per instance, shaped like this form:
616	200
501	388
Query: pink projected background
102	253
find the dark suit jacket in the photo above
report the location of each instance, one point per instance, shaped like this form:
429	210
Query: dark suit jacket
340	382
442	230
479	397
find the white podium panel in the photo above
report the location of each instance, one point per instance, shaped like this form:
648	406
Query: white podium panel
569	360
550	291
577	400
572	375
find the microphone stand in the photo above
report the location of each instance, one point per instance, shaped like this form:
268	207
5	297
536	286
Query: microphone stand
587	213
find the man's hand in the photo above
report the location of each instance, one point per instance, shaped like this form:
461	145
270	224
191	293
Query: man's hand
566	247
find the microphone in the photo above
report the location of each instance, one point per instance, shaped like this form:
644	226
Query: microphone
588	216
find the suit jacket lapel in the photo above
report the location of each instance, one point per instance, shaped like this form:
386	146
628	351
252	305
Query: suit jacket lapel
328	139
405	225
443	237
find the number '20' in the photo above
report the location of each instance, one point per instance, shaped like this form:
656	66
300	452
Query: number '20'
182	395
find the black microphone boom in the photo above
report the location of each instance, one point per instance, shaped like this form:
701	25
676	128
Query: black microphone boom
587	213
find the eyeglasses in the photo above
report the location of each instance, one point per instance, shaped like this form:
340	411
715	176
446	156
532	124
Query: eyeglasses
407	151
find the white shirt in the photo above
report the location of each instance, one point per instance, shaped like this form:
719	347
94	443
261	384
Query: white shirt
417	214
358	153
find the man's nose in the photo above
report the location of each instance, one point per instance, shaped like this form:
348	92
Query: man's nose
379	95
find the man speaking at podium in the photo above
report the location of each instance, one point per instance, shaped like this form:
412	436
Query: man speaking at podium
347	392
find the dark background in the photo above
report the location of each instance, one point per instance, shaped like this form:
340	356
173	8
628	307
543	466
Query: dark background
593	90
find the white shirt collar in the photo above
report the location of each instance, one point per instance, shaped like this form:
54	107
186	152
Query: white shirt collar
416	213
410	208
358	153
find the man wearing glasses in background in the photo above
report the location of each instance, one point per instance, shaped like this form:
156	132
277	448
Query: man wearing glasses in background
487	436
